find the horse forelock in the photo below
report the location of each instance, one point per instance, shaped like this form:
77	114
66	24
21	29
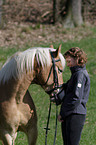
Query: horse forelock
22	62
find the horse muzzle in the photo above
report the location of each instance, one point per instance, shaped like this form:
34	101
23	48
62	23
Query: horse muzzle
56	95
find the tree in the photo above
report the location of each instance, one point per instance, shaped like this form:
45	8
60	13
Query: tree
0	13
56	11
73	13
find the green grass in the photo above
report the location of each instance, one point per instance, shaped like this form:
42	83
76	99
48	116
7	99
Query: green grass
41	99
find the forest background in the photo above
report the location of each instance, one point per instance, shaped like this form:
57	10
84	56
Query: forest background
44	21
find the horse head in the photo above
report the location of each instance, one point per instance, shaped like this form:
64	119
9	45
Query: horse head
49	75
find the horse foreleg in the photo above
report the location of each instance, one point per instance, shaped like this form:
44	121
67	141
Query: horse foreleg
32	135
7	139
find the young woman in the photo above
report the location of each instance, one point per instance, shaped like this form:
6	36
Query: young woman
73	108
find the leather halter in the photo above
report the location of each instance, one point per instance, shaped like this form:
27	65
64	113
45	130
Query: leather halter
55	76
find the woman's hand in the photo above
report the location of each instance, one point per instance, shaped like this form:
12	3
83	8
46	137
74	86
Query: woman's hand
60	118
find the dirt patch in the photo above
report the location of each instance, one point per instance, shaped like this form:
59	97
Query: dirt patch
28	10
21	34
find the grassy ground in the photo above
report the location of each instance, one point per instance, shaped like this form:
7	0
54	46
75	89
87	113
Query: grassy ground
42	100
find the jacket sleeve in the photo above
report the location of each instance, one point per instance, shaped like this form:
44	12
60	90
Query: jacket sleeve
78	90
75	91
76	94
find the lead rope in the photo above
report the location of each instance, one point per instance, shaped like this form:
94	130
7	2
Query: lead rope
56	125
47	127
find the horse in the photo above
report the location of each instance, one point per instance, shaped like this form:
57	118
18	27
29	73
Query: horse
17	109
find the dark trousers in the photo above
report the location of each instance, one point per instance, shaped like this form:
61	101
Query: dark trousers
72	128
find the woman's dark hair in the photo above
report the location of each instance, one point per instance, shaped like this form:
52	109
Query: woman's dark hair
77	53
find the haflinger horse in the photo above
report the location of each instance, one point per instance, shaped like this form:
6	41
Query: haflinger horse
17	109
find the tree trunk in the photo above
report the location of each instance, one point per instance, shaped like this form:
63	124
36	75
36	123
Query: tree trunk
73	14
56	11
0	13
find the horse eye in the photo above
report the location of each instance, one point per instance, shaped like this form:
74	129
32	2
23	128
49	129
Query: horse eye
59	70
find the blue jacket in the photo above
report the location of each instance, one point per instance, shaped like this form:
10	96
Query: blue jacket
76	92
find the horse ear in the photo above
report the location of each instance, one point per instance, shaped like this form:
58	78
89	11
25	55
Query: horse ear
56	53
58	50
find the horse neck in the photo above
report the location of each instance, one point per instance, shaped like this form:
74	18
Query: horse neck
22	86
16	89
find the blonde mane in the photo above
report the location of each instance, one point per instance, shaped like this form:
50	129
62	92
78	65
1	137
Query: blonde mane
21	62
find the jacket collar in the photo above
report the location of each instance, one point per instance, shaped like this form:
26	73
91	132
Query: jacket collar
77	68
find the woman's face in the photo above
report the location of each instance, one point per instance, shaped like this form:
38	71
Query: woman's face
71	62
